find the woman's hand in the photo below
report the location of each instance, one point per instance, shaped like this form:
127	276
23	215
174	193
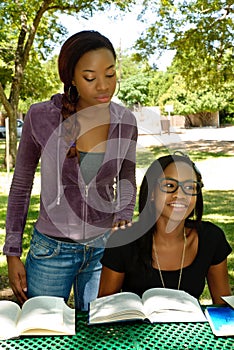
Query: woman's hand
17	278
121	224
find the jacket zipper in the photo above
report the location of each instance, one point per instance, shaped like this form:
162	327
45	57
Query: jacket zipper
85	209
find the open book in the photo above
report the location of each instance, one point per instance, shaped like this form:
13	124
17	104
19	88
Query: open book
43	315
221	320
156	305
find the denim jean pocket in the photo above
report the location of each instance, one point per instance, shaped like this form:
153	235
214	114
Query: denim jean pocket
38	250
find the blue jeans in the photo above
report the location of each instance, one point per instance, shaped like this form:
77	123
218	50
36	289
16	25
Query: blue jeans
53	267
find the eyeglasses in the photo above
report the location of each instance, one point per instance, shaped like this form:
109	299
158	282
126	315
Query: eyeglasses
189	187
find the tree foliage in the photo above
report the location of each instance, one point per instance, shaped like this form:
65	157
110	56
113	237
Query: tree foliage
134	80
201	32
170	87
40	82
143	85
134	90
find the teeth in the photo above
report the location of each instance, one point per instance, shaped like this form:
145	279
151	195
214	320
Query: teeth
177	205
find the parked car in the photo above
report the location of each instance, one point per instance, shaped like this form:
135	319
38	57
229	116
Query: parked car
20	124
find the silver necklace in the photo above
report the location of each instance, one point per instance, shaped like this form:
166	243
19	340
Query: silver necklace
182	261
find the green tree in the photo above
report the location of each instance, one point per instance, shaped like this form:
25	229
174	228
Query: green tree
159	84
134	90
203	101
201	34
40	82
200	31
28	29
134	80
186	101
127	65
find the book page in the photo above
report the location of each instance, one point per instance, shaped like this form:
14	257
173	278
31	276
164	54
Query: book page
119	306
67	328
43	313
169	305
229	300
9	314
69	319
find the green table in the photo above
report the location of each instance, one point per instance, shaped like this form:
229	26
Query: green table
130	335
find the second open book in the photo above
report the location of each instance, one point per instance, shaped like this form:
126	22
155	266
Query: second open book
156	305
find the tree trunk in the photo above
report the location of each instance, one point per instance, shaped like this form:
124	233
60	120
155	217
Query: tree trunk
11	112
14	101
202	119
12	138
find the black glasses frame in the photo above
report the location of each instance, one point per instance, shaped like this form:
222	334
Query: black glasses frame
181	184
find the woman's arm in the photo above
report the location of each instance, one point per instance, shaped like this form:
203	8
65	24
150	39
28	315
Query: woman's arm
28	156
126	183
218	283
111	282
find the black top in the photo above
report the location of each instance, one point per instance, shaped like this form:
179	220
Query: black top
213	248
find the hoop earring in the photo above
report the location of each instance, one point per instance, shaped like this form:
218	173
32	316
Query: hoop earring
69	93
72	94
118	87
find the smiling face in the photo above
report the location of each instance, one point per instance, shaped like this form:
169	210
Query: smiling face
178	205
95	77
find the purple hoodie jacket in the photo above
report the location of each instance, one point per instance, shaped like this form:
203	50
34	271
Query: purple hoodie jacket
68	207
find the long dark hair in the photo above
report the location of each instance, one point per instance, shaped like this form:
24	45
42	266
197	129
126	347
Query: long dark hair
71	52
147	215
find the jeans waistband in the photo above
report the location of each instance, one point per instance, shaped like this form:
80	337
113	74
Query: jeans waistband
99	241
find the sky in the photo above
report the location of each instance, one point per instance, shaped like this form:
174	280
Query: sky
122	31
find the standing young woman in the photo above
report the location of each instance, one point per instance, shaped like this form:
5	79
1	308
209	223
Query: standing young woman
87	146
170	246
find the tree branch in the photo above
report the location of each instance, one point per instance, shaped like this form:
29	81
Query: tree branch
44	8
5	101
32	32
227	10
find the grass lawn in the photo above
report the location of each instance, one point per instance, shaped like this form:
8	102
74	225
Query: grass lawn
218	208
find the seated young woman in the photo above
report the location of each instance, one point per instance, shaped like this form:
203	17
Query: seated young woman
170	246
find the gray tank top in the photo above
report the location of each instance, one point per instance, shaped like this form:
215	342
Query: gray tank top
90	163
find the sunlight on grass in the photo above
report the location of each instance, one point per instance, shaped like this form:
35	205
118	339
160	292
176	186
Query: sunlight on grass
219	218
3	262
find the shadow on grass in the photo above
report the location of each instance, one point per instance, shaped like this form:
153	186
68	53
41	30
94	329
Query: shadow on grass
197	151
